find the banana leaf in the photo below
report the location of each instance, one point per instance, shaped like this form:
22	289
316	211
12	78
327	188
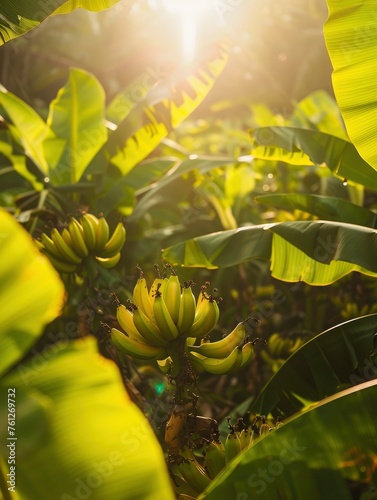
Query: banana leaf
324	207
350	35
338	357
298	146
315	454
78	433
316	252
17	18
31	293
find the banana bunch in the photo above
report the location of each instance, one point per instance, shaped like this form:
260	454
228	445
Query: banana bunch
227	355
84	238
157	318
279	349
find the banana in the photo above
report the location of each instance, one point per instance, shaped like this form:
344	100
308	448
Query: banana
173	428
50	246
246	437
181	487
191	471
109	262
116	241
38	244
232	446
62	267
172	296
219	366
165	364
264	429
164	321
275	343
102	234
225	346
247	354
206	318
187	308
77	236
67	237
147	329
136	349
65	250
126	320
215	458
89	225
296	345
140	297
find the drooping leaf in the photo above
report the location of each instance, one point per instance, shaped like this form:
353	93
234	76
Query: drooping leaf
352	47
77	118
316	252
17	18
324	207
313	455
332	360
31	293
165	107
78	433
299	146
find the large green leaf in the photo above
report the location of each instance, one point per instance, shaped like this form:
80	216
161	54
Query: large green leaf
313	455
299	146
78	433
330	361
27	127
16	18
76	117
316	252
31	292
350	35
324	207
166	106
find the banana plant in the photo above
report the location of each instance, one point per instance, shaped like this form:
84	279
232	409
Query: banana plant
18	19
101	452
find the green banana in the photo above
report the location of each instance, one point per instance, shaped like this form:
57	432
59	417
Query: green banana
165	364
62	267
89	225
67	237
247	354
172	296
65	250
214	459
246	437
164	321
50	246
181	487
102	234
116	241
225	346
77	236
140	297
187	308
191	471
136	349
126	320
147	329
109	262
232	446
206	318
219	366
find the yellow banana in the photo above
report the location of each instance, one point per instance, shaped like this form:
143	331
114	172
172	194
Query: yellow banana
206	319
89	225
62	267
134	348
191	471
109	262
50	246
102	234
246	437
187	308
225	346
67	237
65	250
172	296
215	458
247	354
164	321
158	284
295	345
77	236
126	320
140	297
232	446
116	241
147	329
219	366
275	343
165	364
